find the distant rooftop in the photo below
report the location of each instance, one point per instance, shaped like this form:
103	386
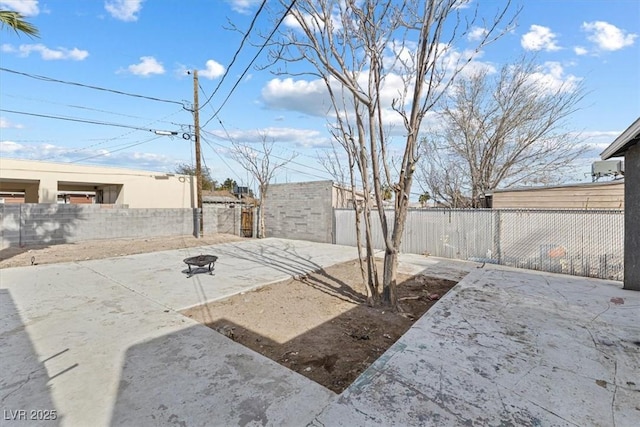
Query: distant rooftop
578	184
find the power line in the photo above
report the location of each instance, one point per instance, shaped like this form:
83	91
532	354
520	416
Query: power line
74	119
104	141
220	157
293	2
113	151
273	155
235	55
79	172
52	80
81	107
277	157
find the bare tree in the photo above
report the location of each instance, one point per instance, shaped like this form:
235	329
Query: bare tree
261	164
361	45
503	130
358	160
442	175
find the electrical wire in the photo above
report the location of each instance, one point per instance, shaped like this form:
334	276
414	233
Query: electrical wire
52	80
220	157
104	141
79	172
113	151
81	107
74	119
293	2
281	158
273	155
235	55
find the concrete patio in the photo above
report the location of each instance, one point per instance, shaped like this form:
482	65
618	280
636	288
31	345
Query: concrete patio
102	343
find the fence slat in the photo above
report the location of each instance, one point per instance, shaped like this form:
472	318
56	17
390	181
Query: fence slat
579	242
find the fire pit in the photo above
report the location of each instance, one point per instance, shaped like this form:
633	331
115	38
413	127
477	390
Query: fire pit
200	261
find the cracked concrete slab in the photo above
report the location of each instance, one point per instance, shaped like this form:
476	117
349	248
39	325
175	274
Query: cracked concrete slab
99	342
508	347
241	266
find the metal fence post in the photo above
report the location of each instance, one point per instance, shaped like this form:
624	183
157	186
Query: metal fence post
496	234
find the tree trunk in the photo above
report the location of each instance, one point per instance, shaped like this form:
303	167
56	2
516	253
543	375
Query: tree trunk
372	270
389	294
261	227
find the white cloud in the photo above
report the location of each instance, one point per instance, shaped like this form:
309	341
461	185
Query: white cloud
477	33
309	97
291	22
307	138
579	50
57	153
24	7
551	77
213	70
124	10
10	147
539	38
314	22
312	98
46	53
148	65
463	4
607	36
6	124
243	6
599	140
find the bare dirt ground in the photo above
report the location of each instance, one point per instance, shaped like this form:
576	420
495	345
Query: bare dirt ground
99	249
320	325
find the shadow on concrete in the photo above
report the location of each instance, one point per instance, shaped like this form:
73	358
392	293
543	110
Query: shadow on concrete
195	376
36	226
288	261
24	381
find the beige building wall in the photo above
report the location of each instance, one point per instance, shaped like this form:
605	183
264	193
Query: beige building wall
597	195
41	182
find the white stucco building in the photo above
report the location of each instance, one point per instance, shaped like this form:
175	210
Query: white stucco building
42	182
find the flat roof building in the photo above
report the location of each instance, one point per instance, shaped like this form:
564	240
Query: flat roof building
43	182
592	195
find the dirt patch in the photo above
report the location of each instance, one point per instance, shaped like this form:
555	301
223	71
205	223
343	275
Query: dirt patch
99	249
319	325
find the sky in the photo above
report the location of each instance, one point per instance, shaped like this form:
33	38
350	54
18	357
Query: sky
146	48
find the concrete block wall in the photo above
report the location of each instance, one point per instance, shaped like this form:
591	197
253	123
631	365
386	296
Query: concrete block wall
222	219
48	224
300	211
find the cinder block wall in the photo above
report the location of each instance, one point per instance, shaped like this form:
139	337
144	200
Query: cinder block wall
300	211
33	224
222	219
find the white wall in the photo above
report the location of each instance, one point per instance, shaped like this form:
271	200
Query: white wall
123	187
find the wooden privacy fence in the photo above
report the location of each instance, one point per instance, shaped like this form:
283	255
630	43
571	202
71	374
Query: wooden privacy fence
579	242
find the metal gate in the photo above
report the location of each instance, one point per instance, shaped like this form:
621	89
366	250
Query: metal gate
246	225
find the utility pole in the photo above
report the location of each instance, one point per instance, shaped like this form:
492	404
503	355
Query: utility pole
196	125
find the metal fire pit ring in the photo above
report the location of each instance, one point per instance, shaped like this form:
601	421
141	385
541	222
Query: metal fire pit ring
200	261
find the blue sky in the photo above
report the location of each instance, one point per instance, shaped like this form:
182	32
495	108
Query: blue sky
145	47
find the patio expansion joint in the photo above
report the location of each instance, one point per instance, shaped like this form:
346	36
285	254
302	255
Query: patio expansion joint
126	287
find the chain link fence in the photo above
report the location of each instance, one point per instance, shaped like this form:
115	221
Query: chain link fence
579	242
